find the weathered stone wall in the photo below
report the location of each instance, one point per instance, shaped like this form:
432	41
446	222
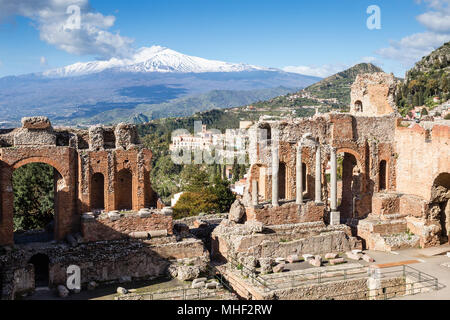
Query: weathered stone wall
373	94
423	153
230	240
106	261
77	156
104	228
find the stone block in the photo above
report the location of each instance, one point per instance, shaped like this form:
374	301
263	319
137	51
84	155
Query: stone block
336	261
199	280
293	258
36	123
315	262
198	285
211	285
367	258
353	256
331	256
157	233
139	235
278	268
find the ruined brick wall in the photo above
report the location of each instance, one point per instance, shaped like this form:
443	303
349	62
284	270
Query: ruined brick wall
423	153
103	262
104	228
89	164
373	94
370	140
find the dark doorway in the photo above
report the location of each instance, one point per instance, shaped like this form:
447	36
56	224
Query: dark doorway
41	263
382	175
282	181
98	192
304	176
124	190
350	185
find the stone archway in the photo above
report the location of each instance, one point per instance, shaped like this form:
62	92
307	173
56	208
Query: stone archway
64	182
40	263
98	191
62	205
439	205
349	182
124	187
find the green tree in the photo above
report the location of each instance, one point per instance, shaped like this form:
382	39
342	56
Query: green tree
220	189
34	195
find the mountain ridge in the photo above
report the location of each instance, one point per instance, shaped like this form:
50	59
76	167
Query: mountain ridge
152	59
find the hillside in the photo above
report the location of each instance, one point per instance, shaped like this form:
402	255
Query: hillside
327	94
429	78
338	85
182	107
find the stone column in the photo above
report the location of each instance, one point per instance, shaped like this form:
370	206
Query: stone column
299	175
255	192
335	216
275	167
333	179
318	183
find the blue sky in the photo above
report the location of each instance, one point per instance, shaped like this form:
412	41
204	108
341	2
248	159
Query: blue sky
317	37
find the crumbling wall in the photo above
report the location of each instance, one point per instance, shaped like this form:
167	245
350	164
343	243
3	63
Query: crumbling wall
373	94
125	226
77	155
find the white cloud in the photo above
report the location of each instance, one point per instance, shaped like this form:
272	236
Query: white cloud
57	27
412	48
327	70
317	71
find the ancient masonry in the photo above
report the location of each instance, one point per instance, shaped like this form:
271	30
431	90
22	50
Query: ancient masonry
108	220
394	191
328	184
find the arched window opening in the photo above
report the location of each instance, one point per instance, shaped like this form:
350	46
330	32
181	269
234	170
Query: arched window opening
124	190
358	106
98	192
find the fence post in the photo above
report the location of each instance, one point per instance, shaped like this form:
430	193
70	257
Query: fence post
404	271
436	284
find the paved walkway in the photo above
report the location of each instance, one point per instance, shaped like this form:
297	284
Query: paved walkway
431	265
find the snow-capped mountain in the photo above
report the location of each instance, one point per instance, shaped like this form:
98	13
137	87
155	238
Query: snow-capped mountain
153	59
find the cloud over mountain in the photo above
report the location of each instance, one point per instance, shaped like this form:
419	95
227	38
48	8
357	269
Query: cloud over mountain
71	25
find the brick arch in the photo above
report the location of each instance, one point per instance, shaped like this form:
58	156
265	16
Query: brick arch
354	153
65	204
55	164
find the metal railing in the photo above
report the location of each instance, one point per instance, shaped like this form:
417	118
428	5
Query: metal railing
413	281
177	294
